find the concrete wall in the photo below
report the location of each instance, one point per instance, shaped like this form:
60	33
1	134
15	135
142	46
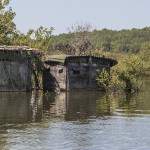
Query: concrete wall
82	71
59	72
15	76
72	76
54	78
82	75
77	72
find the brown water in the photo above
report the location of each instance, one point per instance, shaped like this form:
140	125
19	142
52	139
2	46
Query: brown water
75	121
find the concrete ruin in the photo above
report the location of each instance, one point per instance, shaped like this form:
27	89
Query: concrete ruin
54	76
22	69
76	72
17	68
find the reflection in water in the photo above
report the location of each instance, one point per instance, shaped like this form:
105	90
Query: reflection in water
82	105
16	108
36	106
75	120
77	105
20	107
74	105
54	105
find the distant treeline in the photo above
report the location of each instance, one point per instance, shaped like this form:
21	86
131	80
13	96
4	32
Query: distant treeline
133	40
76	41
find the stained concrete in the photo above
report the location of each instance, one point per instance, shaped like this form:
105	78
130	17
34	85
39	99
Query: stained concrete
18	70
15	76
77	72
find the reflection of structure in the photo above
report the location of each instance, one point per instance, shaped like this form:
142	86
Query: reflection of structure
73	105
81	105
76	105
77	72
20	107
55	105
36	106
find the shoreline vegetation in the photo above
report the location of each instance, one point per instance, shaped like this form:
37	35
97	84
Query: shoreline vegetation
126	75
131	48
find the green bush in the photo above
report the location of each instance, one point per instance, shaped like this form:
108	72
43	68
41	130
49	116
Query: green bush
125	75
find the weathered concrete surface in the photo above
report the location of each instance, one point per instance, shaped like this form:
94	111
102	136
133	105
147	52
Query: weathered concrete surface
77	72
59	73
19	68
82	71
54	77
81	76
15	76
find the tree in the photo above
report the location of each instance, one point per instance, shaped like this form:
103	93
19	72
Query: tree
42	33
41	37
107	45
36	38
7	26
80	40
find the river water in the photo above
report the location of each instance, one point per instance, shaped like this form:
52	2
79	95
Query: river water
82	120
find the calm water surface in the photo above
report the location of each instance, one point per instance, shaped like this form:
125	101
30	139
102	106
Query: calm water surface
75	121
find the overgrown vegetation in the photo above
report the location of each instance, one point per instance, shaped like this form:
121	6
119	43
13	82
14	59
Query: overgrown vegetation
125	75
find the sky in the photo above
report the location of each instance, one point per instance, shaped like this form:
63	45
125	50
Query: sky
61	14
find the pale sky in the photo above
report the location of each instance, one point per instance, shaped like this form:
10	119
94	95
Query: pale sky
61	14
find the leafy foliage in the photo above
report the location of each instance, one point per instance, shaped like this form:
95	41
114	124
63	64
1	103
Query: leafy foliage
103	79
40	38
7	26
126	74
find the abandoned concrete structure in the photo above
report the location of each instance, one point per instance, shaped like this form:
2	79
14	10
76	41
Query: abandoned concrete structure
77	72
21	69
54	76
17	67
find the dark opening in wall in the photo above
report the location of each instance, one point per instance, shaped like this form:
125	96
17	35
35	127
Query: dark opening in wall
50	83
76	72
60	71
